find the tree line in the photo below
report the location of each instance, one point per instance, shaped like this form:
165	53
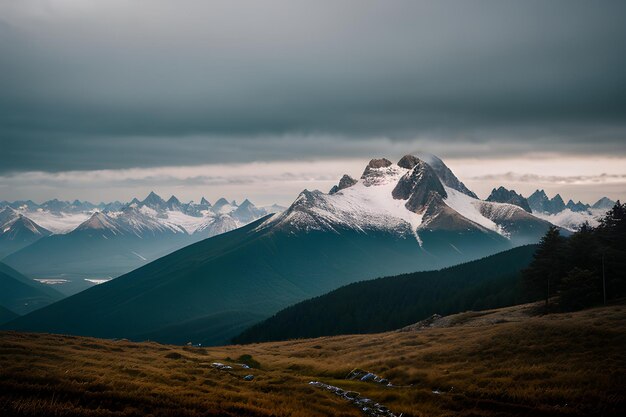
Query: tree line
585	269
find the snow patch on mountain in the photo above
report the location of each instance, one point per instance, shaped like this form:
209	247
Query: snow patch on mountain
57	223
189	223
571	220
470	208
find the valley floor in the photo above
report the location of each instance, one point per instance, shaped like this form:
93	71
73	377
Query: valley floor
495	364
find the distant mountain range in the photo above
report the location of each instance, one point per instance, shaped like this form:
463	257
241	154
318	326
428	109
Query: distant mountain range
568	216
96	243
396	218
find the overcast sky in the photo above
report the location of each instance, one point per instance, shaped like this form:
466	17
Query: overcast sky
105	100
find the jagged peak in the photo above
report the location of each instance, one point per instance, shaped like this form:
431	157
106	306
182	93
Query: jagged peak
98	220
603	203
246	203
557	198
445	174
379	171
345	182
504	195
21	222
539	193
408	161
379	163
221	202
153	197
417	185
204	202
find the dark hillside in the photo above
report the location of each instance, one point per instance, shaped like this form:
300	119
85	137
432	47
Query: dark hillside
392	302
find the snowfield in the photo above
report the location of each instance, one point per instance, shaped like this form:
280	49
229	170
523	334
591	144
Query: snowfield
57	223
469	208
571	220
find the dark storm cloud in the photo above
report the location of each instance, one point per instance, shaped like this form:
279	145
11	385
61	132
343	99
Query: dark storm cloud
93	85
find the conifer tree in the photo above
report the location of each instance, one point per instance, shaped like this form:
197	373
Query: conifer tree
544	274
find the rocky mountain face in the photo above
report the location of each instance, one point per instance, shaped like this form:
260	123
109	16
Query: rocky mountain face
502	195
540	203
444	173
577	207
604	204
419	186
345	182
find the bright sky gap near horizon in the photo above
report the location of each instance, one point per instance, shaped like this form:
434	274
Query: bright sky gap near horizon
109	100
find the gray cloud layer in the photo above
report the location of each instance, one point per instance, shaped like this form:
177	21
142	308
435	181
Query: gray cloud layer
95	85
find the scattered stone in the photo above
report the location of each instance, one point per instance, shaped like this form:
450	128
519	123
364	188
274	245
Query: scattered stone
367	405
426	323
365	376
368	377
248	377
351	394
221	366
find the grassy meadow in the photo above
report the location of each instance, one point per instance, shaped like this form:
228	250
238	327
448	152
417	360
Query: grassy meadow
569	364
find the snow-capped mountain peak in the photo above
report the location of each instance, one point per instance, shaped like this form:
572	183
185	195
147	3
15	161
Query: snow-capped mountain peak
173	203
154	201
406	199
444	173
417	184
99	221
379	172
223	206
502	195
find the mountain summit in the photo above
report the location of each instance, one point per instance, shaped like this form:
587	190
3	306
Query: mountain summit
502	195
540	203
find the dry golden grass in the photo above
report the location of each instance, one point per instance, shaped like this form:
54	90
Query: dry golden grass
562	364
